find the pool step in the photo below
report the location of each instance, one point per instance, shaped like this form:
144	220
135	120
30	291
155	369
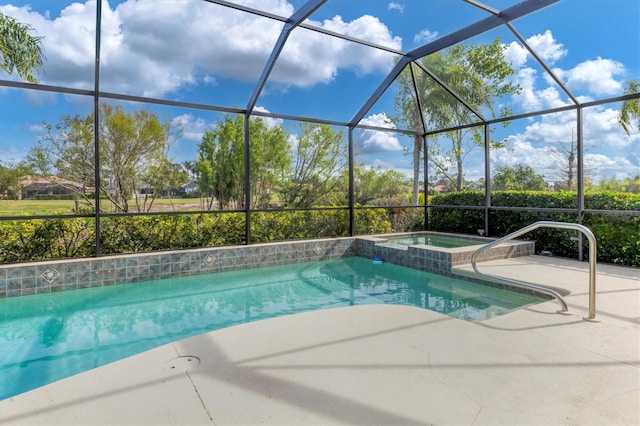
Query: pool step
512	269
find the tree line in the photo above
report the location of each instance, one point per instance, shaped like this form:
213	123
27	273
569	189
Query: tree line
304	169
301	170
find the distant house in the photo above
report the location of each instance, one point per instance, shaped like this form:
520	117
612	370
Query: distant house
190	188
144	190
170	191
434	189
438	189
34	187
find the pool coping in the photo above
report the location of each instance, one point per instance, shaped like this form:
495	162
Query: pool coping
23	279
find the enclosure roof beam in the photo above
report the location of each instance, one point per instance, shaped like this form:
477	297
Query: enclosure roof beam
306	26
483	7
451	91
529	49
472	30
543	64
296	19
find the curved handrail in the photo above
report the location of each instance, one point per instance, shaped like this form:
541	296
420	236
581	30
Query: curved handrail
544	290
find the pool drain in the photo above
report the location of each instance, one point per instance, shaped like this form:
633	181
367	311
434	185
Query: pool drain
181	363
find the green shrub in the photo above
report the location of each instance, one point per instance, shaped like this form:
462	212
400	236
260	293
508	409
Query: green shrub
301	224
39	239
618	236
132	234
371	221
458	220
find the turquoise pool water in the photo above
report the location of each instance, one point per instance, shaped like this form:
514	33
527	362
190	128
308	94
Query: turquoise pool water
444	241
47	337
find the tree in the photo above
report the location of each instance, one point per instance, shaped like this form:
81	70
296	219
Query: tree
220	165
270	161
20	52
163	178
190	167
479	75
372	184
136	144
208	156
67	151
628	184
11	175
318	159
519	178
133	155
630	108
565	171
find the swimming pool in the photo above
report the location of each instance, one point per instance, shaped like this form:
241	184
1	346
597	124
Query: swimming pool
437	240
47	337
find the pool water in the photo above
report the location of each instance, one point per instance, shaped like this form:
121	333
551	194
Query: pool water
48	337
444	241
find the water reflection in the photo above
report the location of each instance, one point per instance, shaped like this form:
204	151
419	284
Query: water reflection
49	337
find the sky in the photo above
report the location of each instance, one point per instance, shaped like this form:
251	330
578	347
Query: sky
199	52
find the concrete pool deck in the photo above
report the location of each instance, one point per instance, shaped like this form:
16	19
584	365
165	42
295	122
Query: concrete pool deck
382	364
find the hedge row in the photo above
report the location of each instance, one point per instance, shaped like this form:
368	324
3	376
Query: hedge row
617	235
41	239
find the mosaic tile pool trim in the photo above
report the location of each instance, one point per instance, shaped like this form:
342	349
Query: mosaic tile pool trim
59	275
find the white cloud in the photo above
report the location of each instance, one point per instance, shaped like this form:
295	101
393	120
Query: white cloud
532	99
544	144
601	128
516	54
396	6
270	122
425	36
375	141
151	50
596	76
36	128
68	42
370	141
600	162
322	57
293	142
38	99
527	97
378	120
544	45
193	127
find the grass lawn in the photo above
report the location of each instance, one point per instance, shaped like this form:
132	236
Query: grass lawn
44	207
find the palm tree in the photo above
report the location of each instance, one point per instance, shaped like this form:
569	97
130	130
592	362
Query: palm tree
630	108
479	74
20	52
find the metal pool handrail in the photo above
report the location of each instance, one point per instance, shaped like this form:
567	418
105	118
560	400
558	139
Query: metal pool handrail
563	225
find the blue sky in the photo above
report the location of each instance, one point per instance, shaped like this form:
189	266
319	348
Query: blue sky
195	51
